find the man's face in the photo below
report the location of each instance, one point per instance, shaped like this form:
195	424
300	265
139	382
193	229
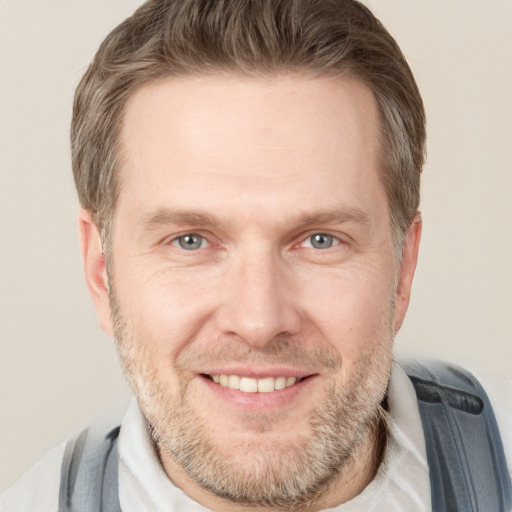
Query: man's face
253	279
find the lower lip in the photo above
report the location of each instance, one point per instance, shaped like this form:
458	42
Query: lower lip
259	401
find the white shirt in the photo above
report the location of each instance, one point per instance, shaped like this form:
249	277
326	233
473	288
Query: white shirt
401	484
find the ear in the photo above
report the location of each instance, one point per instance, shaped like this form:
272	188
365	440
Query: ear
407	268
95	270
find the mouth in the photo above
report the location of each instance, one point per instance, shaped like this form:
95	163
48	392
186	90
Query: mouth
253	390
253	385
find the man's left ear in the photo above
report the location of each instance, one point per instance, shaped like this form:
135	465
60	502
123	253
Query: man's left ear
406	271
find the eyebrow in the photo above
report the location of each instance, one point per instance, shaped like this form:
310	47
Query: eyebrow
338	216
168	216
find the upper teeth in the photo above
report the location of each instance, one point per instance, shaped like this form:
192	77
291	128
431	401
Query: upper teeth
249	385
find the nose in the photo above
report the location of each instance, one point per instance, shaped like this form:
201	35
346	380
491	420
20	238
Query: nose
257	302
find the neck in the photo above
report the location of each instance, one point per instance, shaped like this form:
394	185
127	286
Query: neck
356	475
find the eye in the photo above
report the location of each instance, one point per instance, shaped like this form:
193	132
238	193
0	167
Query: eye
321	241
190	242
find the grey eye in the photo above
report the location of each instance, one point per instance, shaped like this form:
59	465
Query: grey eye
190	242
321	241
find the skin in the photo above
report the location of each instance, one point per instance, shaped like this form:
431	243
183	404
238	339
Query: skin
255	166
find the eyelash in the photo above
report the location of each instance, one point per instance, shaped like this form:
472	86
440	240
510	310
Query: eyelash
176	241
334	240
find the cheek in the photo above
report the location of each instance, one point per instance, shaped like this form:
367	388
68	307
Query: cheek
163	311
351	309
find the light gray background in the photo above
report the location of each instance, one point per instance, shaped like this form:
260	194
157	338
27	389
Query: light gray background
57	369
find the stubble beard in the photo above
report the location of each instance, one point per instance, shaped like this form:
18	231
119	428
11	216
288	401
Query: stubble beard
266	473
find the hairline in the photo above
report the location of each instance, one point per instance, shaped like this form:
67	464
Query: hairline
106	224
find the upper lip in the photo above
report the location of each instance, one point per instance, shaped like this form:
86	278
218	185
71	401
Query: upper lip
259	373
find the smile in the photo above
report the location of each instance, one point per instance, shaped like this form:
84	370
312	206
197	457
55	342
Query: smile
251	385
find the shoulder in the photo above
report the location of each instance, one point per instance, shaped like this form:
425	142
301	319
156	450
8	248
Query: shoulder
499	391
38	489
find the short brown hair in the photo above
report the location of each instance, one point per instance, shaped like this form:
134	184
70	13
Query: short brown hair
248	37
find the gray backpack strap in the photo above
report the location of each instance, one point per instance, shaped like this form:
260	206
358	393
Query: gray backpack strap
89	474
468	469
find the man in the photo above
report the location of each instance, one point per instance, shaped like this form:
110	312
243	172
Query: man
249	175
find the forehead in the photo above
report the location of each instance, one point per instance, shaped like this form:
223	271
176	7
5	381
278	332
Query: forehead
288	137
203	110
